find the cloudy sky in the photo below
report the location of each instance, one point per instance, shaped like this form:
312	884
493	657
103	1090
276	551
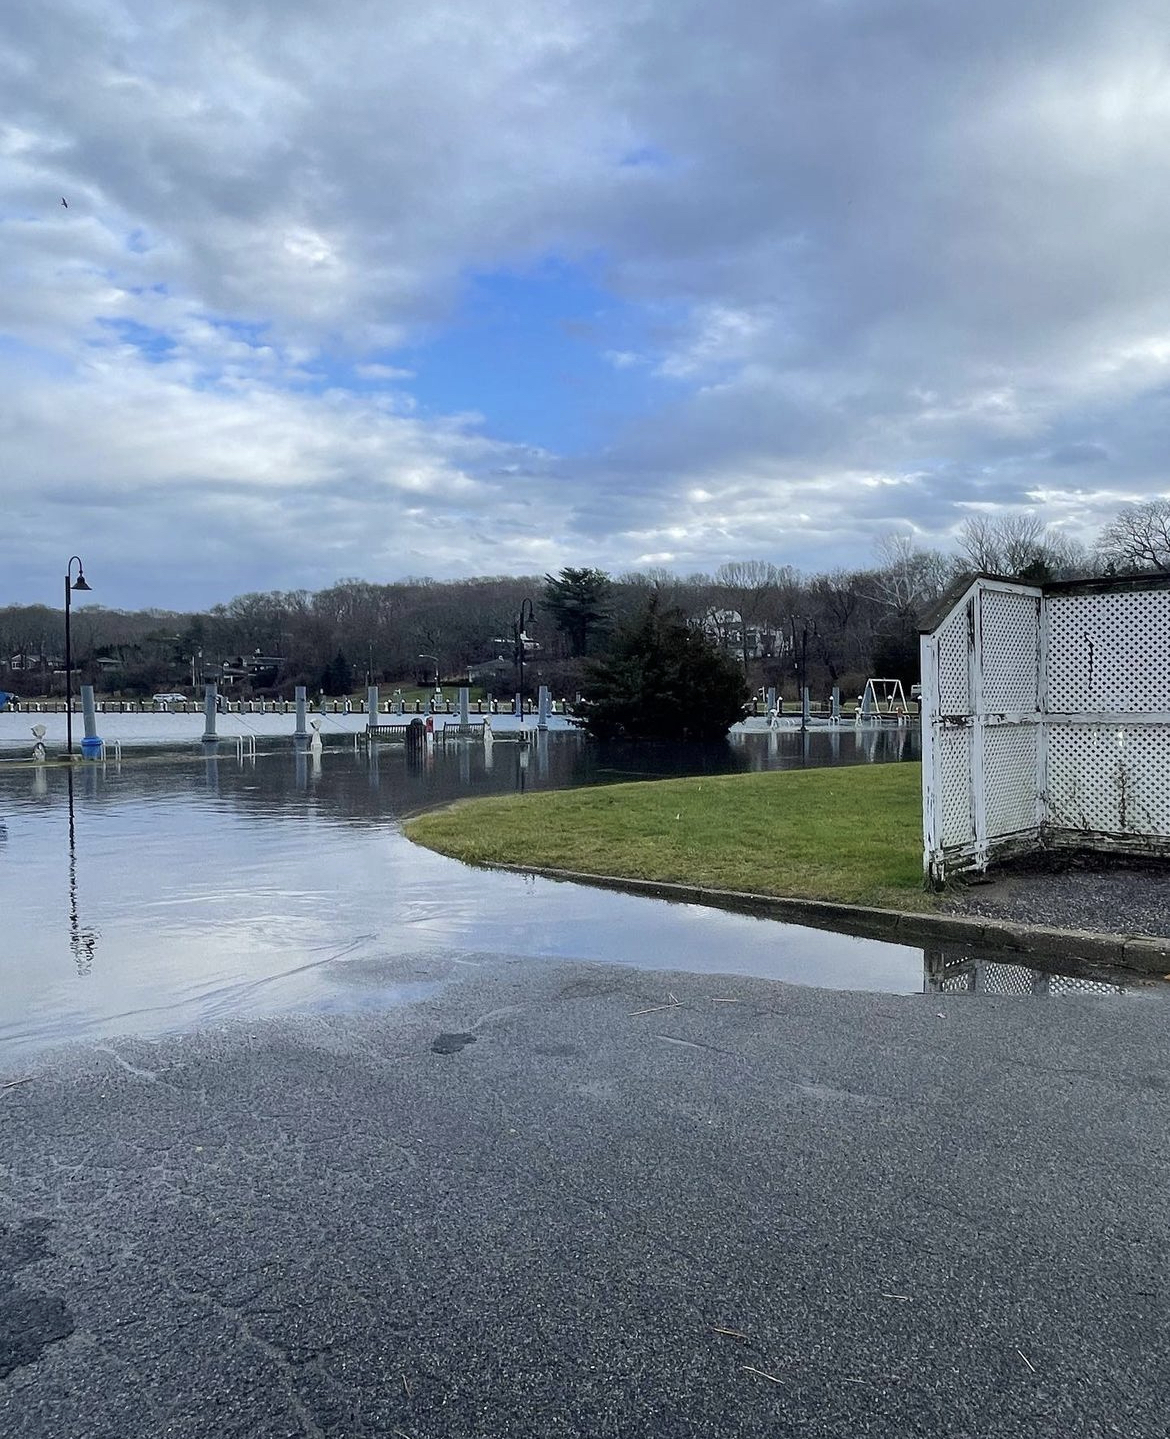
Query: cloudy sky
485	286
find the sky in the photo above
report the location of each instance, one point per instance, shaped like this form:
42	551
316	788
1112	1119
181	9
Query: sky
497	286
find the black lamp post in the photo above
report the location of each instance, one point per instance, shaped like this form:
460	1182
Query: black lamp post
70	585
525	605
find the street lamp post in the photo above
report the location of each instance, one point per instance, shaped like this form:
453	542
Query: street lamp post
525	604
70	585
803	665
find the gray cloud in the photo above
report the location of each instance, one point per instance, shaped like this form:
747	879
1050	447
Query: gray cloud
893	259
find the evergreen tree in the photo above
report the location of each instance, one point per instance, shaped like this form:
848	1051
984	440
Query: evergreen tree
578	601
337	676
662	680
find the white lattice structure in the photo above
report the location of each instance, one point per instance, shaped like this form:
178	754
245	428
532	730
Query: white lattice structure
1046	720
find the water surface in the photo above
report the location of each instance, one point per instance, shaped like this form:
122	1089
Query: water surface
169	893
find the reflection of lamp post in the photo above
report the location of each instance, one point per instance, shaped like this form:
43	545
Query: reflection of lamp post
78	584
525	604
82	942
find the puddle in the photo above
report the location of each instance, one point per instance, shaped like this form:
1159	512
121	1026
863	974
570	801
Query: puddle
146	898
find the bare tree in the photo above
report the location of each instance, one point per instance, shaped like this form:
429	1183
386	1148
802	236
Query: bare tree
1020	546
836	602
1138	537
907	578
750	587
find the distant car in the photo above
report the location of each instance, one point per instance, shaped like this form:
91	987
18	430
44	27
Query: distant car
175	699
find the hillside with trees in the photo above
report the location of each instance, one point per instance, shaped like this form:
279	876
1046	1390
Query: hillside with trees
835	628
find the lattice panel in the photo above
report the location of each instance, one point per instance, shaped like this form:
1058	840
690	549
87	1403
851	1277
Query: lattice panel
1009	651
1111	778
1060	984
954	752
1109	653
996	978
1010	757
969	976
954	689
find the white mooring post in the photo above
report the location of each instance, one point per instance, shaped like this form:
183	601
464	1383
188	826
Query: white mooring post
371	706
465	708
542	708
91	746
302	730
835	705
209	712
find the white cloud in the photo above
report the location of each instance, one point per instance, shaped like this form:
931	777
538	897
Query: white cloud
880	269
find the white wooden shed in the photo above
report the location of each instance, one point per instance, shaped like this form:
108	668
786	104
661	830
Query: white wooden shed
1045	720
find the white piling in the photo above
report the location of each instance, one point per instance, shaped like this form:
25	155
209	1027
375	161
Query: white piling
209	712
91	746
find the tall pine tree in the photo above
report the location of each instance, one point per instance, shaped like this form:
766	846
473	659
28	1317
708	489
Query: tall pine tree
578	601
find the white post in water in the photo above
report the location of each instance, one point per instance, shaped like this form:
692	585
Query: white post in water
302	730
770	700
91	746
398	702
542	708
465	708
835	705
209	707
804	708
518	706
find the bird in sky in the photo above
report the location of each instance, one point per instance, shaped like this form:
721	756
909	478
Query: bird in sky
64	202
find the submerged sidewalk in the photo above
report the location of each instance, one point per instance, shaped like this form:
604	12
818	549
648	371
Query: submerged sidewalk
583	1201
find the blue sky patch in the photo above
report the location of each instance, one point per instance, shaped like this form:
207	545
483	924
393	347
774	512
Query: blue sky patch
152	345
528	350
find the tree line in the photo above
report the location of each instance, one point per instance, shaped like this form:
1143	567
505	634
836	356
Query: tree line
783	626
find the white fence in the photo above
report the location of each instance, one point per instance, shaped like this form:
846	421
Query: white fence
1046	721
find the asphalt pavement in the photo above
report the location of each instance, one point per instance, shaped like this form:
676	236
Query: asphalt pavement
585	1201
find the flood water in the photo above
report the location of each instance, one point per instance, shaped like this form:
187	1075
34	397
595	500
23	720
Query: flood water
165	893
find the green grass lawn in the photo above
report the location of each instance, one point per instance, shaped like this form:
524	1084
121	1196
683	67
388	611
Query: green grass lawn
852	834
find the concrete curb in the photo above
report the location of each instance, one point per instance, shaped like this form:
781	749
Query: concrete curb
1143	953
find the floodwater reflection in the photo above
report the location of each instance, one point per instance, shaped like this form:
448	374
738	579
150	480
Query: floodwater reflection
82	940
220	886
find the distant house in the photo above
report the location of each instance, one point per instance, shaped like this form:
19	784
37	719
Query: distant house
489	670
726	629
253	669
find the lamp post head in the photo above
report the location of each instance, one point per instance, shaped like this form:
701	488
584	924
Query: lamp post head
80	582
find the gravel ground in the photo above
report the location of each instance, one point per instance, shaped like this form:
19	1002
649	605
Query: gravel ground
1073	891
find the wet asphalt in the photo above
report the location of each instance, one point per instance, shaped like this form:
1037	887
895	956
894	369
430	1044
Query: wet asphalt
583	1201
